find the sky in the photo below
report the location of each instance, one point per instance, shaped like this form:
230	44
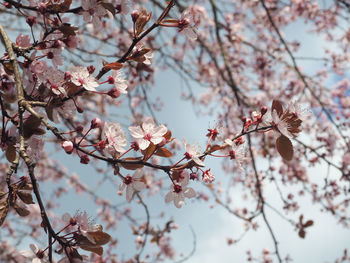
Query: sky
212	225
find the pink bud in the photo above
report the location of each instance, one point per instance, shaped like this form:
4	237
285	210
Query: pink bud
263	110
111	80
91	69
84	159
67	75
79	129
95	123
135	15
31	20
114	93
68	146
80	109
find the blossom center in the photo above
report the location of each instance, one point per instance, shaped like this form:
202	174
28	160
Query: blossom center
147	137
232	155
81	81
128	180
177	188
188	156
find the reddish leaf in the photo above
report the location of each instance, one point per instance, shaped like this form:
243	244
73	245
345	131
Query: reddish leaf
22	211
100	237
67	29
214	148
8	68
26	197
284	147
163	153
131	166
114	66
308	223
11	153
167	136
277	105
4	208
147	153
302	233
31	127
96	250
108	6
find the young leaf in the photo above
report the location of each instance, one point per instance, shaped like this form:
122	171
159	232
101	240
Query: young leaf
163	153
131	166
277	105
4	208
284	147
22	211
114	66
11	153
26	197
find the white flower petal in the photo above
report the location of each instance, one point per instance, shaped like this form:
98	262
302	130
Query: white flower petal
189	192
169	197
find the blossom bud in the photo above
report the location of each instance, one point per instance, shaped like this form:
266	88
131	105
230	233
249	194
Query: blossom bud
111	80
57	44
68	146
114	93
31	20
80	109
91	69
84	159
263	110
79	129
135	15
67	75
118	7
95	123
244	119
8	5
42	8
193	176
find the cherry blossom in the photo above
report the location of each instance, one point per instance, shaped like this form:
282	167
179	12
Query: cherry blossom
193	153
133	184
280	124
208	177
93	12
298	112
115	138
36	255
237	153
80	76
184	25
179	192
147	133
119	82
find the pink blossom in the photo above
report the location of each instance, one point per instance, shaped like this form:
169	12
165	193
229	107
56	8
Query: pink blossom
115	138
80	76
302	114
96	123
192	152
36	255
147	133
237	153
185	25
179	192
133	184
93	12
119	82
38	67
23	40
208	177
68	146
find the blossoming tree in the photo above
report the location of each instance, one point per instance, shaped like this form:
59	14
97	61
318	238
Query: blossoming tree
68	67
